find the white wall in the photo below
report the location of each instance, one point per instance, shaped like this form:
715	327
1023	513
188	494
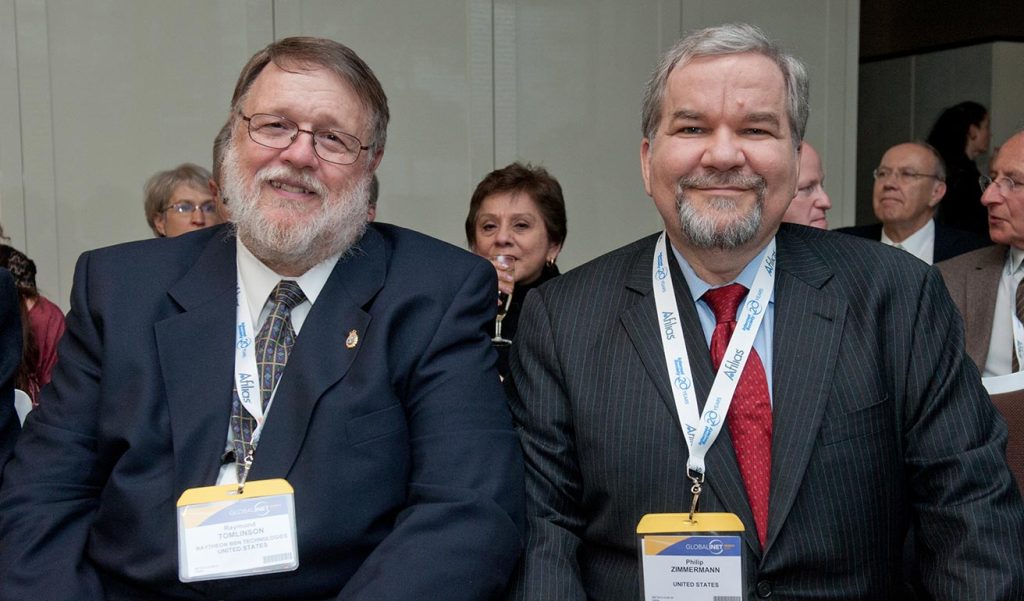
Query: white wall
96	96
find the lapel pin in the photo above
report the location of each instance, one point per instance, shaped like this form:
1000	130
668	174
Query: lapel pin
352	340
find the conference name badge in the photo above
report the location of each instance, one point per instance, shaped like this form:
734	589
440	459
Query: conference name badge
698	559
224	533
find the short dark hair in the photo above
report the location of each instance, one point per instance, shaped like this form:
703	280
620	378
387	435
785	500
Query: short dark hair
374	191
309	53
160	188
220	145
540	185
22	268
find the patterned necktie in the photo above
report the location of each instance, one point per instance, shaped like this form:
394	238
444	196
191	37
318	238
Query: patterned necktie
1019	309
750	414
273	344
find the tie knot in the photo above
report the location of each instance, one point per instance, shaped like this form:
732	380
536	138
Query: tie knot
725	300
287	293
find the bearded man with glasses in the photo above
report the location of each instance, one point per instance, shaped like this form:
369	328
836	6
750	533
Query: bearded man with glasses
301	405
910	181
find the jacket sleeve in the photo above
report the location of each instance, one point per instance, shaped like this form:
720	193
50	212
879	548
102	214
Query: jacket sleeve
968	514
51	487
541	409
460	534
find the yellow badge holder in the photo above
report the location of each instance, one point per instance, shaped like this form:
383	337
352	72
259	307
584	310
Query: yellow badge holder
226	533
691	556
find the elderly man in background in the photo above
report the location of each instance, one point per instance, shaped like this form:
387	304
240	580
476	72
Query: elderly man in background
839	421
334	378
986	284
909	184
811	200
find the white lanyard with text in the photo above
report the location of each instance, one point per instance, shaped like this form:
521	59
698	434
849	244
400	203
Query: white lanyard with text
1018	327
247	380
701	430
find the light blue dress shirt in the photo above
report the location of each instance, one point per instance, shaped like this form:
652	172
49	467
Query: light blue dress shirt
763	340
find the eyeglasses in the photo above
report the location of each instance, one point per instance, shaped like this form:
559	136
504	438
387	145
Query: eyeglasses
330	145
1005	184
902	175
182	208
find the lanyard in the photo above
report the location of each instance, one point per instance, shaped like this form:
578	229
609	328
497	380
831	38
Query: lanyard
247	381
1018	328
700	431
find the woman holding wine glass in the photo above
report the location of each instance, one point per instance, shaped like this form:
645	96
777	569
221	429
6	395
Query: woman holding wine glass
516	220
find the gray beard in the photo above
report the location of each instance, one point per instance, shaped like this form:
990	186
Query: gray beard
702	231
335	228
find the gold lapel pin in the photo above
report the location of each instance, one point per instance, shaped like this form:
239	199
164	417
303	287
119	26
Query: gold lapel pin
352	340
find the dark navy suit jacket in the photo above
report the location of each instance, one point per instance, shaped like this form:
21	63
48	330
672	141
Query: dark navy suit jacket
406	469
949	242
10	358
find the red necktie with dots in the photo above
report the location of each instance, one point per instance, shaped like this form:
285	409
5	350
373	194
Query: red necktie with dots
750	414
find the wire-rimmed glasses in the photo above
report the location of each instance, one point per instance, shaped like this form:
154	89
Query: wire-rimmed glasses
1005	184
187	208
331	145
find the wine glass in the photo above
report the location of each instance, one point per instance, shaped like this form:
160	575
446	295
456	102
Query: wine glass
504	300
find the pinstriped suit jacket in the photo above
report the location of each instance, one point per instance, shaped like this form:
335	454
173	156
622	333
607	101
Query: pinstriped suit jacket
879	422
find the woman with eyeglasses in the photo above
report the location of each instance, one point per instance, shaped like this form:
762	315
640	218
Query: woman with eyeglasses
180	200
961	134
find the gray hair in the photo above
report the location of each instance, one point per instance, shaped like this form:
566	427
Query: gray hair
312	53
940	164
733	38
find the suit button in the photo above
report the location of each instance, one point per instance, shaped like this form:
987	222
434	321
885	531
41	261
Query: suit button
764	589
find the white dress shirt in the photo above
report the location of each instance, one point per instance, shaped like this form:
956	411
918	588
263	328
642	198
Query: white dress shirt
921	243
1000	346
259	281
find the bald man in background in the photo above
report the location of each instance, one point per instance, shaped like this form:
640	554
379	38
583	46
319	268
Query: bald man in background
811	200
910	182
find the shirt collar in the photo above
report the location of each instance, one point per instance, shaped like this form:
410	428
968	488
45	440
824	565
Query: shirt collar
918	242
1015	257
259	280
698	286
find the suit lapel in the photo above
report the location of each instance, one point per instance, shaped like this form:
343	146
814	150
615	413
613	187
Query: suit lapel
196	353
808	329
641	324
322	354
982	286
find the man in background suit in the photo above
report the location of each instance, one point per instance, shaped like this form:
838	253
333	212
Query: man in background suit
873	417
10	358
909	184
811	200
389	420
984	283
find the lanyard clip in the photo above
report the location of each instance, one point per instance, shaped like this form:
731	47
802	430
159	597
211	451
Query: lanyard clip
698	479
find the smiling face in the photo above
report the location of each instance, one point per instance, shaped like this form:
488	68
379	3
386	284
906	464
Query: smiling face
292	208
905	204
1006	211
811	200
722	166
510	223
